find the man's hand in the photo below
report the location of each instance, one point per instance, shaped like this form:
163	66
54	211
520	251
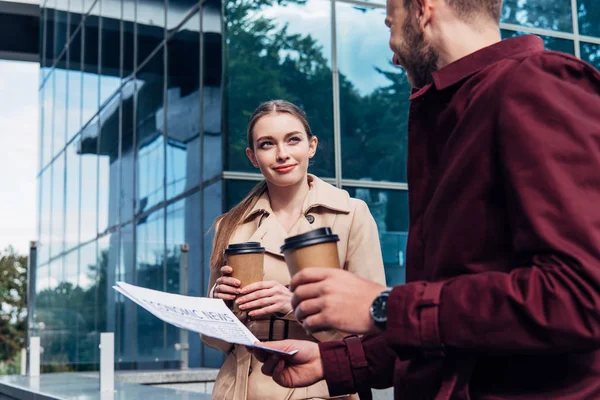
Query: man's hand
264	298
300	370
327	298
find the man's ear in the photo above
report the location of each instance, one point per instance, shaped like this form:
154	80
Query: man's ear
423	10
251	157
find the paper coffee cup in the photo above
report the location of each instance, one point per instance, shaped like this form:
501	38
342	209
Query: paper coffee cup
317	248
247	260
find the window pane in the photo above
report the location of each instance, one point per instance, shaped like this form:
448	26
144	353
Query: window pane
71	295
235	191
149	137
110	79
150	18
89	181
212	358
48	122
177	11
279	52
90	77
589	17
591	53
128	37
88	338
550	43
46	214
60	109
127	192
125	308
50	55
373	98
108	258
58	206
183	109
60	26
183	267
55	319
108	166
75	88
72	193
546	14
150	271
390	210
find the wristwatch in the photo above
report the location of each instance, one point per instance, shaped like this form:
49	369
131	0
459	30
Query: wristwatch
379	309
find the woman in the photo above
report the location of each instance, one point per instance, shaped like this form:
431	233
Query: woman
289	202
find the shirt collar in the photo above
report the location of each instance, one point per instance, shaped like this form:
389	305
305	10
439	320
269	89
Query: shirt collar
475	62
321	194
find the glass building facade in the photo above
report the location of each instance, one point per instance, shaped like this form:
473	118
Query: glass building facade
144	105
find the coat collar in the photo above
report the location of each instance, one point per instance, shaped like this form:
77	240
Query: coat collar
321	194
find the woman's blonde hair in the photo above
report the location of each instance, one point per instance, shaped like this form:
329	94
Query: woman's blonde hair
228	222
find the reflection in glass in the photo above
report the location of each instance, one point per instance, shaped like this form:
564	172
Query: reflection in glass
279	52
87	333
150	18
75	82
72	192
89	180
71	294
373	98
111	49
550	43
91	79
390	211
149	137
60	26
128	37
108	166
125	310
50	55
589	17
183	112
108	258
45	217
48	122
127	191
591	53
58	206
150	274
60	110
213	207
546	14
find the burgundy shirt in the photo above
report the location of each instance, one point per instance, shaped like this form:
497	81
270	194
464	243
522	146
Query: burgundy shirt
503	254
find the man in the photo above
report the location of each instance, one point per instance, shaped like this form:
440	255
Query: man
503	256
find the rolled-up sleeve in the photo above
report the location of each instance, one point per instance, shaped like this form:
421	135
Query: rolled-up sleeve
357	364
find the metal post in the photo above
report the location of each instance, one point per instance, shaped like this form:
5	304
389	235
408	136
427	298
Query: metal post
183	289
34	356
31	273
23	361
107	362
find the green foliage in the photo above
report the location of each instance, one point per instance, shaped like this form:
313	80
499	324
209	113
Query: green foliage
13	293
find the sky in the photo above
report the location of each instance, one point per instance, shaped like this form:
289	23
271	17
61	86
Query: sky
18	154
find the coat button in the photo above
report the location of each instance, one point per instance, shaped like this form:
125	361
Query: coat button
310	218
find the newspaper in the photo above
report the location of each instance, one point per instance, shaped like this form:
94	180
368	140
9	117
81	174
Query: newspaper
210	317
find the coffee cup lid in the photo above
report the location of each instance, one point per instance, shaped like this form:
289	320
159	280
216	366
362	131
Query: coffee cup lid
244	248
317	236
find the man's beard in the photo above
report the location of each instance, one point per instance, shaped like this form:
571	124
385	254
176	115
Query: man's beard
418	58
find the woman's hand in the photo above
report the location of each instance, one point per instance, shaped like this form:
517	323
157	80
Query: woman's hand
266	297
226	287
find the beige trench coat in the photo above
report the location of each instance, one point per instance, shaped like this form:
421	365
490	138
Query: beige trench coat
240	377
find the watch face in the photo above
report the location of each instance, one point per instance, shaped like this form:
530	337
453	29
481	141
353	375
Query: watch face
379	308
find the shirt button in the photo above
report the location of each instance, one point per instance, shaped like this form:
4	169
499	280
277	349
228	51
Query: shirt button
310	218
